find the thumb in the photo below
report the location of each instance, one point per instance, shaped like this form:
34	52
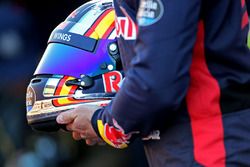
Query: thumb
66	117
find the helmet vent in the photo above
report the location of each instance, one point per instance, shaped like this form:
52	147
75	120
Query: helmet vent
36	80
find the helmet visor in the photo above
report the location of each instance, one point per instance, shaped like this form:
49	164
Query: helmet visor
62	59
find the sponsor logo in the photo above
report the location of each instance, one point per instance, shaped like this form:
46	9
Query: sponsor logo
114	134
112	81
150	11
50	87
62	25
126	28
62	36
73	14
30	98
117	136
42	106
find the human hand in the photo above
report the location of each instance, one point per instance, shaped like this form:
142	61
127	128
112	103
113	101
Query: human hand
93	141
78	121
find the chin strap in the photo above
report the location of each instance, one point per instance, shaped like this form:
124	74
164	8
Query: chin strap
85	81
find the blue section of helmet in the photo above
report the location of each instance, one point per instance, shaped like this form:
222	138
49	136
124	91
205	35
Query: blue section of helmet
61	59
82	10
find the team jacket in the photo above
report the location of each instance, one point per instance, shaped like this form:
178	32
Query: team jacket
187	83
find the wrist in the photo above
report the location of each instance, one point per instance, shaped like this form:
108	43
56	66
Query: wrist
94	120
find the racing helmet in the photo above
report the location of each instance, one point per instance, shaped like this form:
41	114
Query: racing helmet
81	65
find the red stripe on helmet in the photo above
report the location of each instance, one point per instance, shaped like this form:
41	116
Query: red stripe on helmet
60	85
73	90
109	30
93	27
70	101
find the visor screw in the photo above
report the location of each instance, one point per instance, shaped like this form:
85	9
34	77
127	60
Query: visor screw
113	47
82	83
103	66
110	67
113	77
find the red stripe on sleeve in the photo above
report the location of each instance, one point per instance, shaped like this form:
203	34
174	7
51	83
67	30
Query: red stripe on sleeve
244	21
243	2
204	109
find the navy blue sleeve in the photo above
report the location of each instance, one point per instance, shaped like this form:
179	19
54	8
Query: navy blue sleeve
158	77
248	6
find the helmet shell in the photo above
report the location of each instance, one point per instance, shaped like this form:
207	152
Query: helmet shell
80	66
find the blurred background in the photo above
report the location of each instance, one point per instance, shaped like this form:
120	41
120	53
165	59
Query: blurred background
25	26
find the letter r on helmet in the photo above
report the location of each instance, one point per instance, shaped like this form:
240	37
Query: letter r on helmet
112	81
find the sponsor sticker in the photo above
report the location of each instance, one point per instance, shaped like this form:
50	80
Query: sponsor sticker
50	87
30	98
126	28
42	106
112	81
150	11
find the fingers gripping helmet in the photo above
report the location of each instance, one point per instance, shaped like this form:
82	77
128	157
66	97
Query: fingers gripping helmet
81	65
